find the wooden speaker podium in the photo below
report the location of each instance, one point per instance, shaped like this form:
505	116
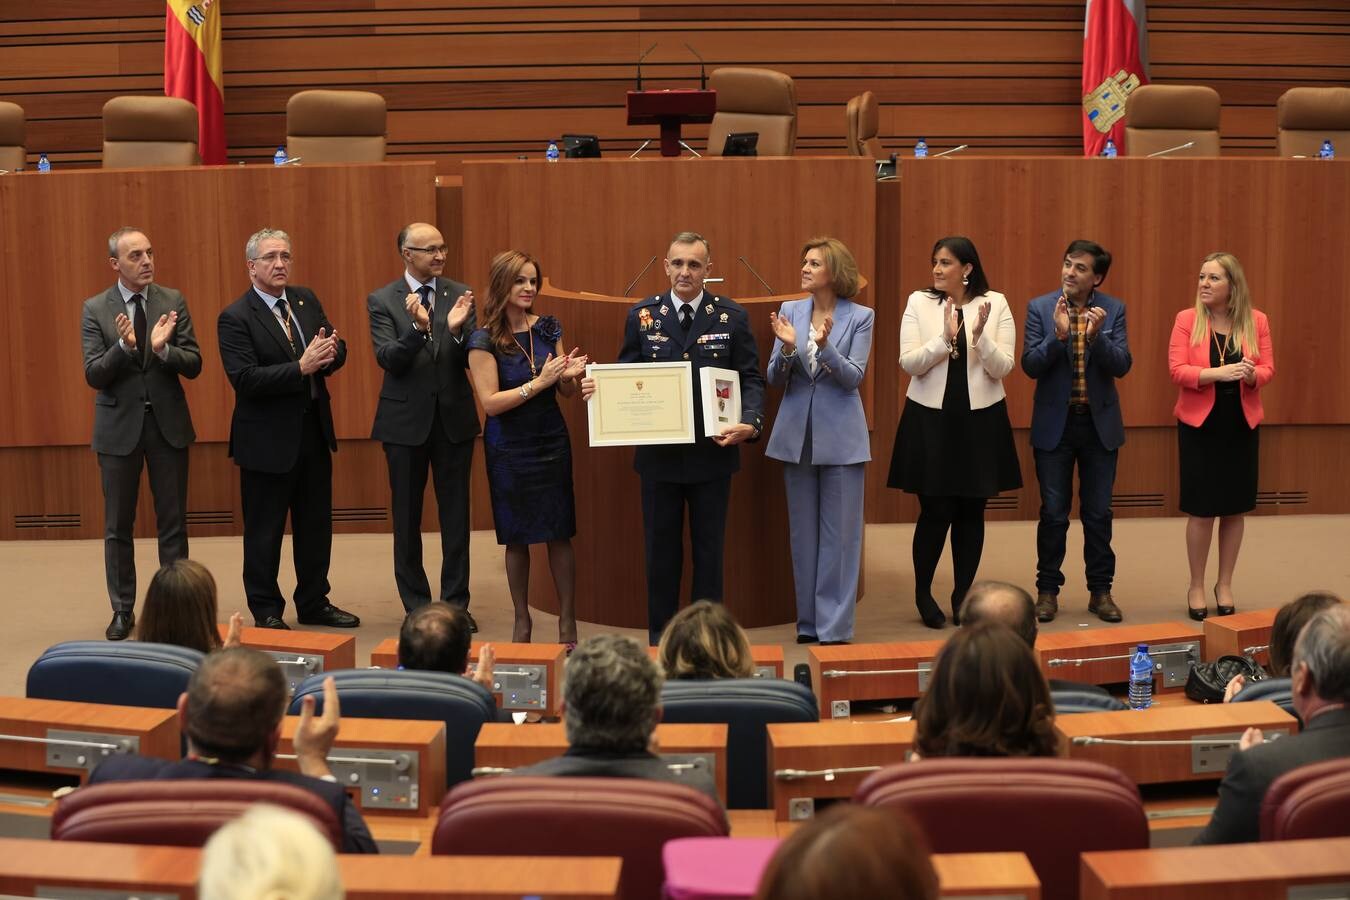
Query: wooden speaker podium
671	110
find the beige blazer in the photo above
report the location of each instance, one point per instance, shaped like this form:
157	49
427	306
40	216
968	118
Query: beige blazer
924	354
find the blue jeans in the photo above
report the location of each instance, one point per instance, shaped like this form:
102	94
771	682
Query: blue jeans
1096	477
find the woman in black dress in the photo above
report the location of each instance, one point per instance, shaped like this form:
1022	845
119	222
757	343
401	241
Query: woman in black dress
1220	357
954	446
519	368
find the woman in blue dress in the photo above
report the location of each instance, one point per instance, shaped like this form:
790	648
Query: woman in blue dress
519	368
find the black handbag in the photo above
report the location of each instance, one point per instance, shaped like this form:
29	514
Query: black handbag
1208	680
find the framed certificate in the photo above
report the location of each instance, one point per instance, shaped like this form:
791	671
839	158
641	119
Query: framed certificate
641	403
721	394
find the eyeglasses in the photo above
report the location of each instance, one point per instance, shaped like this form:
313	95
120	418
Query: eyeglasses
272	258
442	250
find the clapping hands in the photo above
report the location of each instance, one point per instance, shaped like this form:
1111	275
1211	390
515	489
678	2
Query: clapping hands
981	319
783	330
950	321
320	352
459	313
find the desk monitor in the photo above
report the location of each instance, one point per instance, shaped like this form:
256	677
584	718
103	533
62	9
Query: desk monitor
581	146
741	143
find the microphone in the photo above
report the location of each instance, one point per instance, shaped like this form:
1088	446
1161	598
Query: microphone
1216	741
702	73
691	149
639	275
639	64
756	274
292	161
1185	146
951	151
639	150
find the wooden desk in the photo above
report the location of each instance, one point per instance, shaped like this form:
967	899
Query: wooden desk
1233	635
26	864
768	659
1118	644
156	730
337	650
1153	764
1005	875
509	656
510	746
375	786
819	748
1264	871
899	670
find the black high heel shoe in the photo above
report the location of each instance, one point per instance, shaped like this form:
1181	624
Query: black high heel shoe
930	613
1219	607
1198	615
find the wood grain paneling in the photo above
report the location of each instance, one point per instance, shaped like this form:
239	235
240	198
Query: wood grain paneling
476	79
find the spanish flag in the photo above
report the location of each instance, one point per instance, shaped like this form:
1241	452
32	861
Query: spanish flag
1115	62
193	70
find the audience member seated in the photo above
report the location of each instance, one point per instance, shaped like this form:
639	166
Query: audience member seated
270	853
986	697
999	601
435	637
704	641
851	853
1289	621
180	609
231	715
1321	686
611	705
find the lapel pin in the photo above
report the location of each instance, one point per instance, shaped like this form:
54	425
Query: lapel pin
708	309
724	318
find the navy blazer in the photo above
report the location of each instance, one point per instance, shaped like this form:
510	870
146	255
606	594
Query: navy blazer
830	399
1046	359
719	336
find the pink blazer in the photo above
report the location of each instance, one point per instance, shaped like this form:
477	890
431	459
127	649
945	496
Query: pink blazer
1185	361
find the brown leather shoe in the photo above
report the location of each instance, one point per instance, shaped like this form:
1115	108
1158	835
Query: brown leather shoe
1047	605
1103	607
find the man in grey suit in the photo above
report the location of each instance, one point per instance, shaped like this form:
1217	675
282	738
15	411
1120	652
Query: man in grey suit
426	416
1321	685
138	345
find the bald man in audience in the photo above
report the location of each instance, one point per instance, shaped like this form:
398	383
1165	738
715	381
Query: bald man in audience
437	638
1321	688
999	601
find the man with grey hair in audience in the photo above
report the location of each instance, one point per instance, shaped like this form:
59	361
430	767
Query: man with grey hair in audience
279	349
611	704
1321	688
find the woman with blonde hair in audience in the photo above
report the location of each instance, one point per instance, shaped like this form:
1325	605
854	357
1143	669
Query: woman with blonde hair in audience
269	853
180	608
986	697
704	641
851	853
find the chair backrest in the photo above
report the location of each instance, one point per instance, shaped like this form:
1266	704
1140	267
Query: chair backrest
746	706
851	145
178	813
869	123
460	703
13	156
1307	116
127	673
1162	116
627	817
1308	802
336	126
1048	808
149	131
1279	691
1069	701
759	100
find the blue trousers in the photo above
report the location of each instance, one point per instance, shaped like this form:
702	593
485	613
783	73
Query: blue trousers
825	527
1096	477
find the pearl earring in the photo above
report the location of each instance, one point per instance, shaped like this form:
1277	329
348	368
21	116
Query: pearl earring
965	281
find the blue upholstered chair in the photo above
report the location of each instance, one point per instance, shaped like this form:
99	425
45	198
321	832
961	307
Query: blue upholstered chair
125	673
1069	701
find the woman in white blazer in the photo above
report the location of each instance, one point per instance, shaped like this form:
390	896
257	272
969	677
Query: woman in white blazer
820	349
954	446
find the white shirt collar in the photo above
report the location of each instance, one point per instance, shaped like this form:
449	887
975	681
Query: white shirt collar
415	286
128	294
269	299
692	304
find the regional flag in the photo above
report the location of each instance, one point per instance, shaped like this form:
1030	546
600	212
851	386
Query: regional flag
1115	62
193	70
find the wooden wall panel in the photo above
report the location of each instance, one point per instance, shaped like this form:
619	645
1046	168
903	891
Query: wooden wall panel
479	80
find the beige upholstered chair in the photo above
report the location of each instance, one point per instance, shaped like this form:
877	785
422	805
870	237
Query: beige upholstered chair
336	126
759	100
1307	116
1162	116
863	115
149	131
12	153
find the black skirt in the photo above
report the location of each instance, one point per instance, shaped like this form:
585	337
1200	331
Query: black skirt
1219	460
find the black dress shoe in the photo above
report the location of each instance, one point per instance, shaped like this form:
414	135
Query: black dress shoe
120	626
832	643
807	639
273	622
930	613
473	626
331	616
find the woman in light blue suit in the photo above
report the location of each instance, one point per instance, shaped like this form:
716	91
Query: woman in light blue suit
819	357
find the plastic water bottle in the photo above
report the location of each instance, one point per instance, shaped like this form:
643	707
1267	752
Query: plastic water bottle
44	164
1327	151
551	154
921	149
1141	679
1109	151
279	158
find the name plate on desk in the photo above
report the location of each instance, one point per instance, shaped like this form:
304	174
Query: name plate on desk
641	403
849	672
1167	744
810	761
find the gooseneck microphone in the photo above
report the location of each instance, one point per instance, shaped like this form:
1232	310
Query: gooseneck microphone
702	72
756	274
639	63
639	275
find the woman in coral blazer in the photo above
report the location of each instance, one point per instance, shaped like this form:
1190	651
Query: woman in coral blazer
1220	357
